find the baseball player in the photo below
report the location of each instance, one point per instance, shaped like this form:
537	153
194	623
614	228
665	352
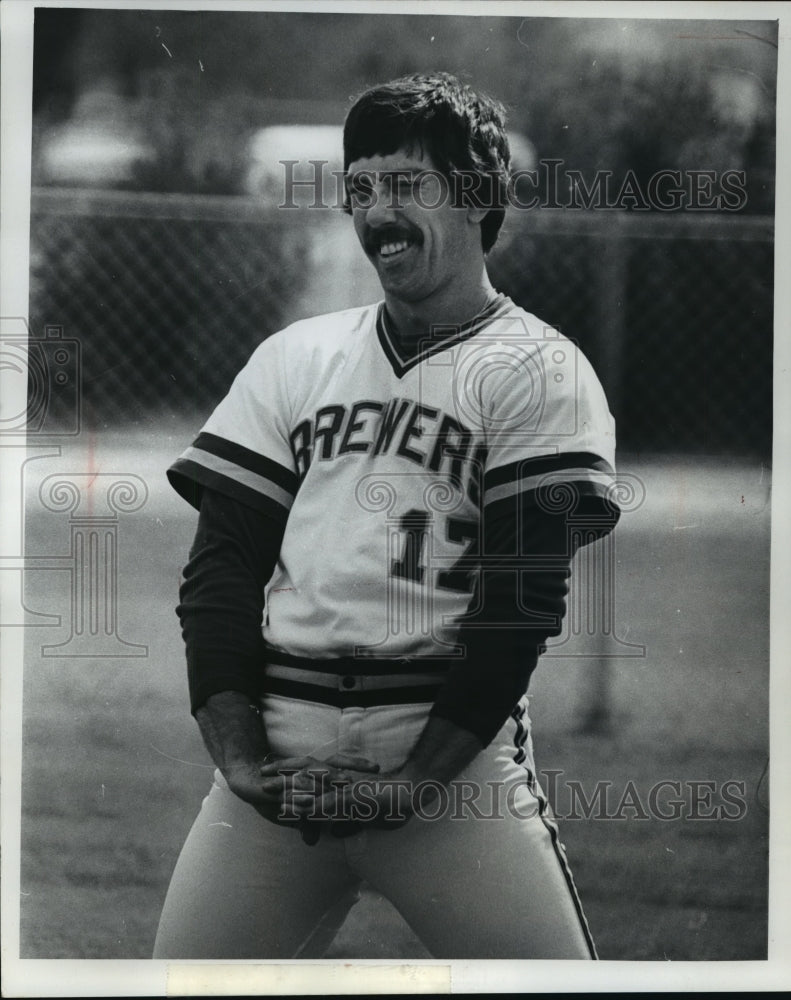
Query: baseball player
389	501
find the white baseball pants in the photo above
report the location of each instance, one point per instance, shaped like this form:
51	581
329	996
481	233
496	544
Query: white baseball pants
485	878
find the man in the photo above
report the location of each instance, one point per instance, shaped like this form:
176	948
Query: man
393	491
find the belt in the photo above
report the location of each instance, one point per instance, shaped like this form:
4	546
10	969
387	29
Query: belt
353	682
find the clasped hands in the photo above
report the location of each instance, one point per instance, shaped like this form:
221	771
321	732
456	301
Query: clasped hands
340	794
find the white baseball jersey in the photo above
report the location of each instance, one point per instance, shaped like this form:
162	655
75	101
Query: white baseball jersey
381	464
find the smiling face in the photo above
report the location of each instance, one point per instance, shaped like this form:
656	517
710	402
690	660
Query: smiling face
421	245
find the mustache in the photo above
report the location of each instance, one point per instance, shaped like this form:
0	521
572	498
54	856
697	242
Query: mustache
373	239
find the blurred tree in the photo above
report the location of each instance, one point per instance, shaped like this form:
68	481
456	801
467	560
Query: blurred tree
599	94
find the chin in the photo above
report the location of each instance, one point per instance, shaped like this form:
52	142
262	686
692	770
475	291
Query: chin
407	293
406	285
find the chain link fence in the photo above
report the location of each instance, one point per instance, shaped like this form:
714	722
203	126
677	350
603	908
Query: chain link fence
168	295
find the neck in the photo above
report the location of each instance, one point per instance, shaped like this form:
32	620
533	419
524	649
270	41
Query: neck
414	321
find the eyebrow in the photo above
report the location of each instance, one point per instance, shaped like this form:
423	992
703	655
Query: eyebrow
400	174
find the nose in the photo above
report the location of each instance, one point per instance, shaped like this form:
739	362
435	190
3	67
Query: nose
382	209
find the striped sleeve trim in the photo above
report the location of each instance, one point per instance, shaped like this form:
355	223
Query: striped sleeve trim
230	468
582	472
250	461
192	472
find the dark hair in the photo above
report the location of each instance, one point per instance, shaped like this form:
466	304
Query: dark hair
460	130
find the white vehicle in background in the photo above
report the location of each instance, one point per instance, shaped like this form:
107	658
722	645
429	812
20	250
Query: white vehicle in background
296	165
337	275
303	164
101	145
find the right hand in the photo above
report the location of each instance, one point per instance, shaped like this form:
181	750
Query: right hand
303	781
298	781
244	780
274	787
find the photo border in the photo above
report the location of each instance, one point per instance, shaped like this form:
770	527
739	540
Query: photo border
156	978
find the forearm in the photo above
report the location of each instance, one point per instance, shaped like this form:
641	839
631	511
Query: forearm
520	608
232	557
441	752
232	730
523	605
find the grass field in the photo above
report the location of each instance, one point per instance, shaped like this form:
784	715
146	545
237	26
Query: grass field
114	770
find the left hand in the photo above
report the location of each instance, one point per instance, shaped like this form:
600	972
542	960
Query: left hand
340	794
383	801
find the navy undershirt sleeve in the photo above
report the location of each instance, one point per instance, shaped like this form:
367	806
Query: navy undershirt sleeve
221	604
522	604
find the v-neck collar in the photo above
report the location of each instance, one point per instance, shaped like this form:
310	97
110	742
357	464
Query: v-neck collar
441	337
